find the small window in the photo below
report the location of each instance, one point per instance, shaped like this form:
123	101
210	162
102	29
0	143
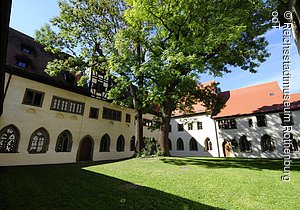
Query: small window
244	144
120	144
179	127
286	119
94	112
22	64
190	126
227	124
170	128
33	97
148	123
193	145
111	114
26	50
128	118
180	145
267	143
199	125
250	123
207	144
261	120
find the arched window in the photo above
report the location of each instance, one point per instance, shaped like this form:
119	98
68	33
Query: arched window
244	144
9	139
180	145
207	144
132	143
193	145
39	141
295	143
169	144
105	143
120	143
64	142
267	143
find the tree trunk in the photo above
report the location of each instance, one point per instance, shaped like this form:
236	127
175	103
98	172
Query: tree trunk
164	131
138	130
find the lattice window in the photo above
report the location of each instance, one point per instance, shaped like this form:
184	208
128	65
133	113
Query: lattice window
9	139
64	142
39	141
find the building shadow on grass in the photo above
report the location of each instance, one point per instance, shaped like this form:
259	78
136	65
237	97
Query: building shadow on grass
70	186
247	163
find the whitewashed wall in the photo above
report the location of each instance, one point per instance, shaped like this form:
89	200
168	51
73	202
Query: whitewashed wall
199	135
254	134
29	118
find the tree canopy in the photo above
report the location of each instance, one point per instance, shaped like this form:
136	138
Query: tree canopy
158	48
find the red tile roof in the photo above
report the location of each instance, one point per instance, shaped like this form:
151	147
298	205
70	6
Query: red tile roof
253	99
197	108
295	101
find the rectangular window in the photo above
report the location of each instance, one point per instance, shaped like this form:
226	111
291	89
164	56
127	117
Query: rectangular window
94	112
250	123
66	105
26	50
111	114
170	128
261	120
22	64
147	123
179	127
33	97
199	125
227	124
128	118
286	119
190	126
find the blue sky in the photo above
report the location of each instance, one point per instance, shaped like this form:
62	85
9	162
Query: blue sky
29	15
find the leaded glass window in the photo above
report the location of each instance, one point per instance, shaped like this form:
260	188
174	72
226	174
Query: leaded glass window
9	139
64	142
39	141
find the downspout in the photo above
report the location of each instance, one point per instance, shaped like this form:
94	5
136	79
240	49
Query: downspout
217	137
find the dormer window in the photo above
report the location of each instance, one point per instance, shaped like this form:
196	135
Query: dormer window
26	50
22	64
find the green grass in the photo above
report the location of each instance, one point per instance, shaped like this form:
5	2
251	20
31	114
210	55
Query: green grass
155	183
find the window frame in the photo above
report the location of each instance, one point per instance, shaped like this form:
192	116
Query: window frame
91	113
7	139
259	121
120	146
45	145
190	126
69	143
128	118
71	104
179	143
180	127
199	125
34	94
193	144
105	143
111	114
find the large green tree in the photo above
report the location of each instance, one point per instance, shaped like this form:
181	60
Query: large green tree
192	37
91	35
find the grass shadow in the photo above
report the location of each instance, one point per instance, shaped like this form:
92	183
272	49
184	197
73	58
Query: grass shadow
248	163
70	186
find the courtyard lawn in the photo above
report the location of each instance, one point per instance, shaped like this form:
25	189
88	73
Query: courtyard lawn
152	183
